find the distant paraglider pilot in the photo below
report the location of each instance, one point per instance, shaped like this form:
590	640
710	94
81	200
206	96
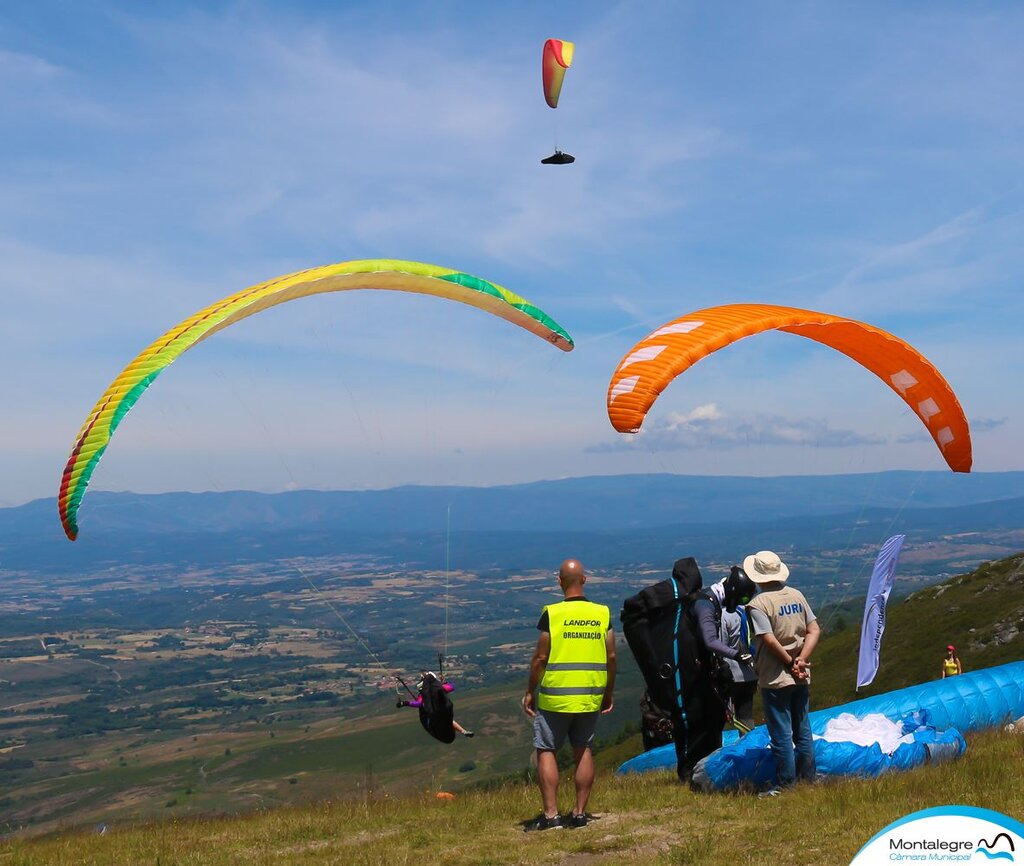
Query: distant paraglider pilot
558	158
437	714
573	674
556	58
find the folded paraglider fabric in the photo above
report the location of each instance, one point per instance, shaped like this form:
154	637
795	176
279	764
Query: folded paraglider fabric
904	745
872	729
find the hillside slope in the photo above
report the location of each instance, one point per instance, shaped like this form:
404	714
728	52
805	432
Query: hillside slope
981	613
649	819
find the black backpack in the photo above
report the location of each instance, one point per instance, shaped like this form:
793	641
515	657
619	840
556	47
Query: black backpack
659	630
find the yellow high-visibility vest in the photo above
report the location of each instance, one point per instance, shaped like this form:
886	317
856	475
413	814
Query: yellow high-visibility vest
577	670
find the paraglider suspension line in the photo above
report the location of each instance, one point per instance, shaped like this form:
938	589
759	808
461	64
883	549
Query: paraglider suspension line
447	581
352	631
400	681
860	572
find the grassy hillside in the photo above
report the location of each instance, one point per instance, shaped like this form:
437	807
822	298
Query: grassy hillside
361	789
650	820
981	613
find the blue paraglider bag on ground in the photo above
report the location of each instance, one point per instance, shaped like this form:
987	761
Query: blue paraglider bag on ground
849	746
933	714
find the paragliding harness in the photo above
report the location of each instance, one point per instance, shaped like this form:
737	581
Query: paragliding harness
437	713
659	627
559	158
655	623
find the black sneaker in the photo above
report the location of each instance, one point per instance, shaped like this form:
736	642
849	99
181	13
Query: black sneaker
467	733
543	822
575	821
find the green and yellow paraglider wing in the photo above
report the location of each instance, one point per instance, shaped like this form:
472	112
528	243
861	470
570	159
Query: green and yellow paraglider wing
386	274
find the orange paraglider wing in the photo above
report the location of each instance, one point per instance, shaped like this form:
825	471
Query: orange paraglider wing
672	349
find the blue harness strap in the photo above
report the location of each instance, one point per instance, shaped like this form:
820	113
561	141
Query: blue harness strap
744	628
675	654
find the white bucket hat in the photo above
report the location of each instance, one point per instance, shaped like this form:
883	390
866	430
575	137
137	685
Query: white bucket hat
765	567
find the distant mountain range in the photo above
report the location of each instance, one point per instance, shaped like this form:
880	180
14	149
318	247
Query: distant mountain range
587	503
620	518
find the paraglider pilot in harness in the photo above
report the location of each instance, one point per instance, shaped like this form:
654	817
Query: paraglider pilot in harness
437	714
722	622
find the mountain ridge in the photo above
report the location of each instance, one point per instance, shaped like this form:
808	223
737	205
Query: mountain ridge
595	502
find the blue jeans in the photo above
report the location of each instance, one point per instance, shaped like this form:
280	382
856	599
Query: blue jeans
789	727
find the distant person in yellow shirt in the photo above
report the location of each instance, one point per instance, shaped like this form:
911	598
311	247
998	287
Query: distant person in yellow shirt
951	663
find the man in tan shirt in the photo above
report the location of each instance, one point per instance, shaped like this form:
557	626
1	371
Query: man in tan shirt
787	633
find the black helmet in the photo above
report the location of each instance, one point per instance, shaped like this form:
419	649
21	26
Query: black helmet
739	588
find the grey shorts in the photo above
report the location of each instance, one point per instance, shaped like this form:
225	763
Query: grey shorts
550	729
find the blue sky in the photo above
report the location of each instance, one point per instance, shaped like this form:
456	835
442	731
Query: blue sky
863	158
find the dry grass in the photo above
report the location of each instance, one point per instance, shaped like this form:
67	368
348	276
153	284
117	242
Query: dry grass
649	819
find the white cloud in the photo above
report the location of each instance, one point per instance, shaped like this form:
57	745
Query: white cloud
706	427
977	425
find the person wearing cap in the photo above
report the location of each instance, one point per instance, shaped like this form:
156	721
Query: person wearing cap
573	674
787	633
951	663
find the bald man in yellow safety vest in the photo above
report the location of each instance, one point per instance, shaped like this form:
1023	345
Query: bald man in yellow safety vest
573	675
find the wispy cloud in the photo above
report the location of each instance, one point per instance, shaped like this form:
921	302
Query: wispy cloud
708	428
978	425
